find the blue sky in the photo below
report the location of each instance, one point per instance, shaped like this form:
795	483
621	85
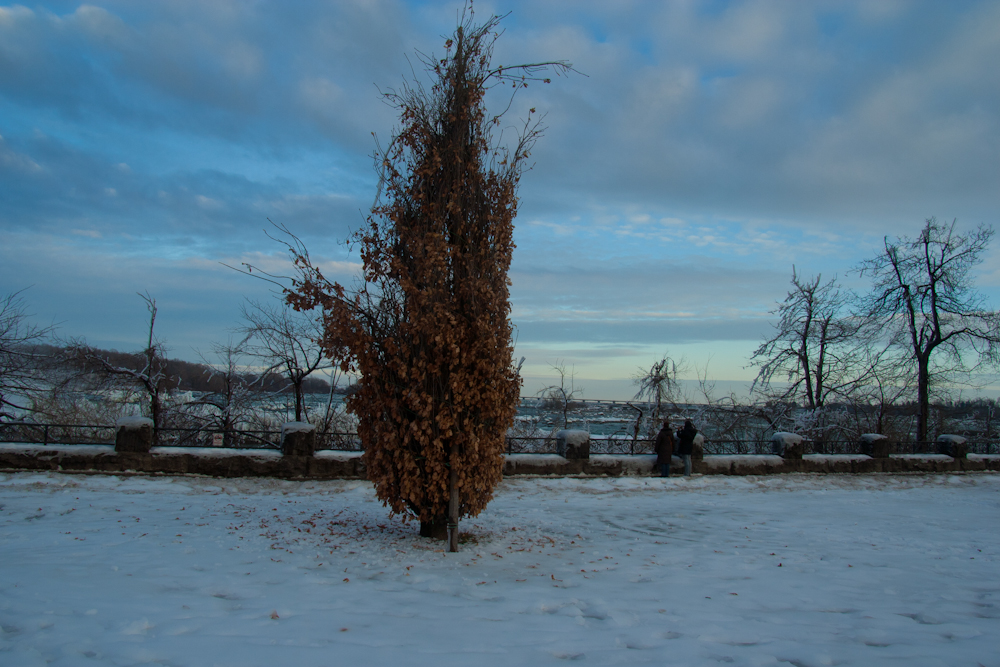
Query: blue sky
710	146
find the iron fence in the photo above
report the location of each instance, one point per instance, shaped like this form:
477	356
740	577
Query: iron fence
102	434
215	437
207	436
628	446
250	439
844	447
65	434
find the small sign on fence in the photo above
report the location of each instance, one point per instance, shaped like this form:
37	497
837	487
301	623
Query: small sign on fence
217	439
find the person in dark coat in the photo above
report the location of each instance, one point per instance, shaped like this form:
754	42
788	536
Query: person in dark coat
685	444
664	448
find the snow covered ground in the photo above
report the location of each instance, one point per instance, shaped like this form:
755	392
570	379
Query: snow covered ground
783	570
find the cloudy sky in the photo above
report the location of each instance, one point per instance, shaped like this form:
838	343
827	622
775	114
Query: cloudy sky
705	148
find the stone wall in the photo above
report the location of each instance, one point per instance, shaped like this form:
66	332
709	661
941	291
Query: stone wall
349	465
182	461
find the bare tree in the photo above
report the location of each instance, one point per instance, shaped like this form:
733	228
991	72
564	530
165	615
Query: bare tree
659	384
21	373
815	348
923	298
736	424
556	395
238	389
886	386
287	343
148	373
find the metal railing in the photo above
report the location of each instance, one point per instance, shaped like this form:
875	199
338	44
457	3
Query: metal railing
64	434
249	439
219	438
102	434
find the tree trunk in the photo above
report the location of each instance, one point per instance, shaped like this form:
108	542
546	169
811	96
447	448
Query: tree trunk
453	503
923	398
565	409
436	528
298	400
155	413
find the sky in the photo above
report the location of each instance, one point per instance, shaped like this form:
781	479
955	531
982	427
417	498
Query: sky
702	150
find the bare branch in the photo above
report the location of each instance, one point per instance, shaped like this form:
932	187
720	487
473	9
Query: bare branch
923	301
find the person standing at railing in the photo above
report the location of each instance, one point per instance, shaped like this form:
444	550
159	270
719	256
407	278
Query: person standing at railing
664	448
685	444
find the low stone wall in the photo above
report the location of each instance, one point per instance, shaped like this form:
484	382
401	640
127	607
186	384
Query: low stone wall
183	461
349	465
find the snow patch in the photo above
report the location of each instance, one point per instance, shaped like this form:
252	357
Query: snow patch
297	427
134	423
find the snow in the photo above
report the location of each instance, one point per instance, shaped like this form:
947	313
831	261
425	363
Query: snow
297	427
785	439
134	423
835	458
923	457
573	436
219	452
34	449
769	570
540	460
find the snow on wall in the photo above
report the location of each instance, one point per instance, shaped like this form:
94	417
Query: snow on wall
297	427
134	423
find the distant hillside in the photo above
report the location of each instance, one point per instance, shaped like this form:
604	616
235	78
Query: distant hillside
190	376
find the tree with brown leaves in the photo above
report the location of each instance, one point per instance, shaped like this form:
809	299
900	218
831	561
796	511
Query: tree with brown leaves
428	328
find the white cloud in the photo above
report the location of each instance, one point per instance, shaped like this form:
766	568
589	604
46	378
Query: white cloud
748	31
320	96
100	26
711	146
209	204
750	101
242	60
15	161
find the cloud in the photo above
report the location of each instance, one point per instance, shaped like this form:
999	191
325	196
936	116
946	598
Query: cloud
217	69
13	161
54	187
753	111
209	204
632	300
710	146
626	332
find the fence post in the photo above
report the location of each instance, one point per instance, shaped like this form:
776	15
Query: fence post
787	445
953	446
298	439
134	434
874	445
573	444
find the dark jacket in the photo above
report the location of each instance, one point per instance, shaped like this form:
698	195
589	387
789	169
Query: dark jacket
685	439
664	446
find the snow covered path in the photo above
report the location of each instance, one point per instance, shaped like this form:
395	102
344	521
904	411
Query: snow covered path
784	570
